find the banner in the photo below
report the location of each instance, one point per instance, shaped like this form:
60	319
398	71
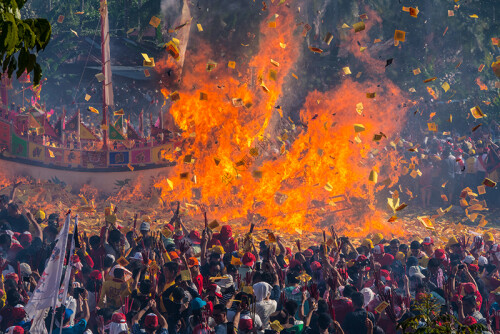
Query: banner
114	134
36	152
141	156
86	133
5	135
72	124
63	291
47	289
91	159
19	146
72	157
162	153
131	133
119	158
54	155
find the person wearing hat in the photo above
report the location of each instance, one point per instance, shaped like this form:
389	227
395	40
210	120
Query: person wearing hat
196	276
428	246
145	228
114	290
118	324
488	239
154	322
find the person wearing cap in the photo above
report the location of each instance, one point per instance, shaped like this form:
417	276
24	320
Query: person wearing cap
118	324
385	259
144	229
114	290
196	276
489	240
264	305
154	322
428	246
226	239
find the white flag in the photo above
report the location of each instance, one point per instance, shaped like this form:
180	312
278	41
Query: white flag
63	291
47	289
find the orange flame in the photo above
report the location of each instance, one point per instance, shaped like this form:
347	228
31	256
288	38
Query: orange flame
244	157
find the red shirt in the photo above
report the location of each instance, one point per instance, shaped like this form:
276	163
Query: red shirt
198	281
342	307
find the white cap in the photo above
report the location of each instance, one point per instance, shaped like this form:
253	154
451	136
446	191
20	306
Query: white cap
137	256
482	261
469	259
415	271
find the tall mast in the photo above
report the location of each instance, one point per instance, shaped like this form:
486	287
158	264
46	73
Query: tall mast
107	87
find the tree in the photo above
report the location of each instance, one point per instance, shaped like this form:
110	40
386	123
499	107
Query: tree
21	40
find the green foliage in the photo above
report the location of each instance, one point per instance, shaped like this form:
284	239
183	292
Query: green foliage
21	40
430	320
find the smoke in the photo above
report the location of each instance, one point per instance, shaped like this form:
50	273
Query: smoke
168	6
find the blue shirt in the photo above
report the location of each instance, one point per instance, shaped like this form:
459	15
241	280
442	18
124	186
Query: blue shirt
79	328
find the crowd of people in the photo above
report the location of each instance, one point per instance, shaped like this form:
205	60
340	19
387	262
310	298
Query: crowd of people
447	164
171	280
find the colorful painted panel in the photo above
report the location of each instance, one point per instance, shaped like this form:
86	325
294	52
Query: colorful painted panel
54	155
36	152
19	146
141	156
72	157
91	159
4	135
119	158
162	153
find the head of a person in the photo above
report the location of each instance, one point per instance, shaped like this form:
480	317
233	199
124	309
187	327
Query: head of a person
119	273
394	246
357	300
469	304
145	286
290	307
415	248
114	238
428	245
94	242
324	321
214	268
171	269
4	200
5	241
348	291
13	297
433	266
151	322
13	210
49	234
145	228
220	314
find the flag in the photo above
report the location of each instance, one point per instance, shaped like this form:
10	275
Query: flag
33	123
46	291
86	133
72	125
19	146
119	123
49	130
114	134
59	126
131	133
63	291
